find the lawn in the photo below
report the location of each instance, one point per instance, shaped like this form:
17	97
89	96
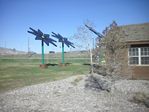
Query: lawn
20	72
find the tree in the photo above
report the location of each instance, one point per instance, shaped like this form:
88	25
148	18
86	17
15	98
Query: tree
115	49
85	40
84	37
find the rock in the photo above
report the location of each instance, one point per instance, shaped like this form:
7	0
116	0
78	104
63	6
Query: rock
62	96
98	82
103	71
99	69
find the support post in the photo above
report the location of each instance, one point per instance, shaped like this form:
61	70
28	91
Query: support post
62	53
42	48
91	61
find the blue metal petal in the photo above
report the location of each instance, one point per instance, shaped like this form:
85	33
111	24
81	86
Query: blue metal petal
40	32
46	41
38	38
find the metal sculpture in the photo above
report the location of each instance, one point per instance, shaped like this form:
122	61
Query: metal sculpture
97	42
63	40
94	31
44	39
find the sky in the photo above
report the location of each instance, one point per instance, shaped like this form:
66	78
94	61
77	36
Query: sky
64	17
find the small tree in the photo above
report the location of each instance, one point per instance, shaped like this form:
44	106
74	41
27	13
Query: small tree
84	40
115	49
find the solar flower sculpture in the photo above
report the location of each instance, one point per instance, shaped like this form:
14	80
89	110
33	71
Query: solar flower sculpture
94	31
95	51
63	40
44	39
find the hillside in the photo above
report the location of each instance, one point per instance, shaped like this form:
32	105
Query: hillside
8	51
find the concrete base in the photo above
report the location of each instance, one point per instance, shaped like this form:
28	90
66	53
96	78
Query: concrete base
43	66
63	65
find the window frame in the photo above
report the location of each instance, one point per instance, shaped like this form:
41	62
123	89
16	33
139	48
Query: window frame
139	56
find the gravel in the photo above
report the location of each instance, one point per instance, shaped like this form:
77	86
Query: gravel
65	96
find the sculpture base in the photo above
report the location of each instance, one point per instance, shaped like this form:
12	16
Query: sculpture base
43	66
63	64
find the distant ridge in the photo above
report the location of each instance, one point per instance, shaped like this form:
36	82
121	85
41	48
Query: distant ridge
8	51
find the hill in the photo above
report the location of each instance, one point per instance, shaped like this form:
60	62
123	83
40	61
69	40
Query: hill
8	51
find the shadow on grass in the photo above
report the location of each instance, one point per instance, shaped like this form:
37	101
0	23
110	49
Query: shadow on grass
87	64
53	64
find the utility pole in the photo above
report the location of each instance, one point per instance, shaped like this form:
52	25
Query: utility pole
28	46
5	44
93	43
91	59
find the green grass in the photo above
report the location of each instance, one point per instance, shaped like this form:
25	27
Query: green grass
16	73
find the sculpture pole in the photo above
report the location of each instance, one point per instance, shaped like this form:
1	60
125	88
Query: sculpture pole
42	48
62	52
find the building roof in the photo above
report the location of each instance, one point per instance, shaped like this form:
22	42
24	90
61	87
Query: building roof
136	32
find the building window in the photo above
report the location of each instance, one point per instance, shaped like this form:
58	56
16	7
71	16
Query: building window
145	55
139	55
133	56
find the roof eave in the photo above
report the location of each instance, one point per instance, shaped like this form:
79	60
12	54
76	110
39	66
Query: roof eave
138	42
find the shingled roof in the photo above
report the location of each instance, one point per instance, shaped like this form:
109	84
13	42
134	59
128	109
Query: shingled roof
136	32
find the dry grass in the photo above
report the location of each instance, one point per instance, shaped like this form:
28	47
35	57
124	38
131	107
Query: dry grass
16	73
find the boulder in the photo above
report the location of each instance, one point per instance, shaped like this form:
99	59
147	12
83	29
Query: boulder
114	73
99	69
98	82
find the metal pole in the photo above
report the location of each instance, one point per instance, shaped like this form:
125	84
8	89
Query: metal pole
91	61
5	44
93	43
28	46
62	53
42	47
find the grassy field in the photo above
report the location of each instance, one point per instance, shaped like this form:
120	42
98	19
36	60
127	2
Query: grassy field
19	71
